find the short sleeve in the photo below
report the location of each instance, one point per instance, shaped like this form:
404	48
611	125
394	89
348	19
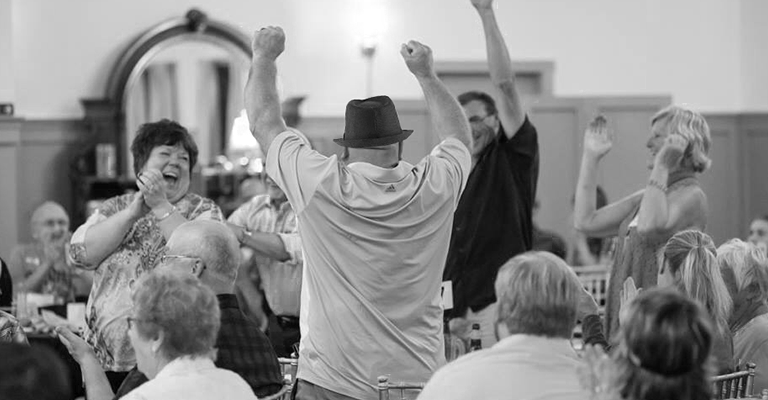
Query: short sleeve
296	168
453	156
239	216
77	251
524	144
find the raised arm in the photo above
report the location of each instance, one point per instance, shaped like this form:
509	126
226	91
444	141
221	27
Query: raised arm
261	100
500	67
447	116
659	213
605	221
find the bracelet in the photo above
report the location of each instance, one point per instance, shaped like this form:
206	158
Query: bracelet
245	233
657	185
166	215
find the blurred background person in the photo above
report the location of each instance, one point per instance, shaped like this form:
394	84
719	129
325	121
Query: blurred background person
32	373
749	320
672	200
41	266
690	264
266	228
547	240
758	232
662	352
126	236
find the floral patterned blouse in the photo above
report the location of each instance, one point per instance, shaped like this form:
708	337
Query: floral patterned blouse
109	303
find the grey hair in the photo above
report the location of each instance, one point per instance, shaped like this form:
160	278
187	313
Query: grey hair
212	242
181	307
748	263
538	295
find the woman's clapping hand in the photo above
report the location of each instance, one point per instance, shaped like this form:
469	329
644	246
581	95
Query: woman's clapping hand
598	140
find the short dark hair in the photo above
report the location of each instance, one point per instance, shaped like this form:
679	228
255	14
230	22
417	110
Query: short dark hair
161	133
664	348
32	373
485	98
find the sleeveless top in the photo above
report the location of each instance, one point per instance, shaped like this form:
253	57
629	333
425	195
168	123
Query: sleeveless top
637	256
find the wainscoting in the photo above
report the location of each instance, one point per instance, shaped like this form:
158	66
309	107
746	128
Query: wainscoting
35	156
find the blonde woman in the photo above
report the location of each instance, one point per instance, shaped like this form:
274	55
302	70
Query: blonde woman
670	202
690	265
749	320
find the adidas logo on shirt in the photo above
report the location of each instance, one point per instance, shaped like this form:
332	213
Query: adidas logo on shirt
390	188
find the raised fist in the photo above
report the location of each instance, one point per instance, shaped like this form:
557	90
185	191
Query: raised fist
268	42
482	4
418	58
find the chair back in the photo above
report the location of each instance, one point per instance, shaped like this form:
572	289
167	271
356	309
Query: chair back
288	368
738	385
405	390
595	279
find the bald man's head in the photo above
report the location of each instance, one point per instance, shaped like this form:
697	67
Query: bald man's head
49	222
211	242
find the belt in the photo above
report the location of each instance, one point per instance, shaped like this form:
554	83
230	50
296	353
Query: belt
287	321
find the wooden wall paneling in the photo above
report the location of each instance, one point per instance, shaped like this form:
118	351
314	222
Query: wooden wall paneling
722	182
10	132
754	129
46	150
557	123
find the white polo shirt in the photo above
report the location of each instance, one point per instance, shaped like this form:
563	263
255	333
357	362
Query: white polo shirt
375	243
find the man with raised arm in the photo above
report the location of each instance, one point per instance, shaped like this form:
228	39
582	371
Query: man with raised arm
375	229
493	222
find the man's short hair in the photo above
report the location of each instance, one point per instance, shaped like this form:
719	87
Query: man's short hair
485	98
537	294
215	244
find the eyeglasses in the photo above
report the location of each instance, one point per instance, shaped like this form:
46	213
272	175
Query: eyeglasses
195	264
132	321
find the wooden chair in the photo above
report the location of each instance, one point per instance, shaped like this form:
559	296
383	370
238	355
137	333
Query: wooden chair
407	390
595	279
738	385
288	367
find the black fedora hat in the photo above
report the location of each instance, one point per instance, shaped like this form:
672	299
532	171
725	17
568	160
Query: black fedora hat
372	122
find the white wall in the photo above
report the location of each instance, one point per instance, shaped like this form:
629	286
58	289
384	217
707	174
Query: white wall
7	86
754	49
688	48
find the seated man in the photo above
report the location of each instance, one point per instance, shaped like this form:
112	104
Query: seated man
210	251
538	296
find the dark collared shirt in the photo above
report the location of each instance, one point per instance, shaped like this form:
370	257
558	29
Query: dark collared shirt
493	222
242	348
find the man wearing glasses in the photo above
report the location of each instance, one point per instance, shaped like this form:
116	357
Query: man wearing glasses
493	221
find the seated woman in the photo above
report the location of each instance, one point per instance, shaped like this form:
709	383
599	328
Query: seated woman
749	321
671	201
41	266
173	329
126	236
690	265
663	352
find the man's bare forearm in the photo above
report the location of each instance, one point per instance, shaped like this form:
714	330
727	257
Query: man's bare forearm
447	116
262	103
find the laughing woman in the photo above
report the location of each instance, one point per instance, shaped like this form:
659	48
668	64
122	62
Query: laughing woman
126	236
672	200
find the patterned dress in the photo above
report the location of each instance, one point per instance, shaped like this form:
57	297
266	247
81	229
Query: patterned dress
637	256
109	303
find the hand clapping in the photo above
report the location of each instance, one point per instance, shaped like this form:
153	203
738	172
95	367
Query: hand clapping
152	186
418	58
268	42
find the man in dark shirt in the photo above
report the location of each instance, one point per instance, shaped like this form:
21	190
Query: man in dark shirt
493	222
209	250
